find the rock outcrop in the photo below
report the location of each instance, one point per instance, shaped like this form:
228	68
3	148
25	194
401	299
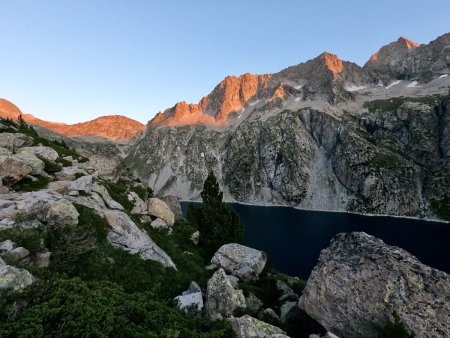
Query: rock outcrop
249	327
359	281
222	299
240	260
125	234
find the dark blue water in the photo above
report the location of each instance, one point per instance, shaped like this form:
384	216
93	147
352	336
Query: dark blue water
293	238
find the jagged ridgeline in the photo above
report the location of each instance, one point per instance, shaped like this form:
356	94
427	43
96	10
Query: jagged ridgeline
325	135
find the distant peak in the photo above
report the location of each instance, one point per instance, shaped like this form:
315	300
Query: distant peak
408	43
333	63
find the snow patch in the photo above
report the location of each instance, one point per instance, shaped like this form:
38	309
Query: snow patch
298	87
393	84
253	103
297	99
354	88
413	85
442	76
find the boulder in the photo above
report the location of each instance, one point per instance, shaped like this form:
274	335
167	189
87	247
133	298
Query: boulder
139	206
222	299
16	255
104	194
269	315
2	262
84	183
5	152
248	327
56	212
69	173
253	303
174	204
7	246
234	257
159	224
289	311
37	166
191	299
59	186
125	234
13	141
42	259
159	208
14	279
195	237
14	169
106	167
41	152
359	281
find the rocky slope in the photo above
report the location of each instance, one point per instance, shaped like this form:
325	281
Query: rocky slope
114	127
326	134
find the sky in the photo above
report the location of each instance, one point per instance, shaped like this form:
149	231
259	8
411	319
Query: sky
72	61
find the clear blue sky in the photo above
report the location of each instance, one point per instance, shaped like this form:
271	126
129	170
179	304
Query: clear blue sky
71	61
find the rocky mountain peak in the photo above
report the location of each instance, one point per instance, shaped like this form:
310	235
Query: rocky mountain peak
332	63
9	109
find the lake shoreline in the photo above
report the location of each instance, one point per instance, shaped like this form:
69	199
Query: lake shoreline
434	220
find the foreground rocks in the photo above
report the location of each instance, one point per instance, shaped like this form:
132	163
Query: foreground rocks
247	326
222	299
126	235
359	281
242	261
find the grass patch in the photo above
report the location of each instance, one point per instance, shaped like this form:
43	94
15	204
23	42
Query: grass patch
51	167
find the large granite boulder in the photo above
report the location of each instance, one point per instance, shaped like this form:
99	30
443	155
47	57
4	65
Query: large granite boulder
106	197
106	167
14	141
14	279
249	327
41	152
359	281
222	299
13	169
174	204
240	260
56	212
158	208
125	234
37	166
83	183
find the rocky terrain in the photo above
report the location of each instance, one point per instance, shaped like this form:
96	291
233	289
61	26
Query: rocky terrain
325	135
114	127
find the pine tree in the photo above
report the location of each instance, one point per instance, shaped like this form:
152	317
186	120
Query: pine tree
217	223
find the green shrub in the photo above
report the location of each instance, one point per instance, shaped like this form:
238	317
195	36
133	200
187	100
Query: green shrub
64	162
51	167
395	329
119	191
28	184
72	307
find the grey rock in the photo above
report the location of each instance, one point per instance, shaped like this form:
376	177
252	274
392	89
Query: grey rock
14	279
125	234
16	255
173	203
222	299
106	197
289	297
283	287
270	315
195	237
84	183
42	259
7	246
233	257
253	303
2	262
159	224
13	141
248	327
193	288
190	301
139	206
160	209
289	311
107	167
60	186
37	166
41	152
5	152
55	212
367	280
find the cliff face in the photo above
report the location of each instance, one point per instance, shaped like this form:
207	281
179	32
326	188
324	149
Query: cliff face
113	127
325	134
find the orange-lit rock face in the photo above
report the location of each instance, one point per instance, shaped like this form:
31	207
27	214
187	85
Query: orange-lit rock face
333	63
229	96
279	92
114	127
409	44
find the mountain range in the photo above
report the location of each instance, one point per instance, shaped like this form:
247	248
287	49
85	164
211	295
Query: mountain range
326	134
